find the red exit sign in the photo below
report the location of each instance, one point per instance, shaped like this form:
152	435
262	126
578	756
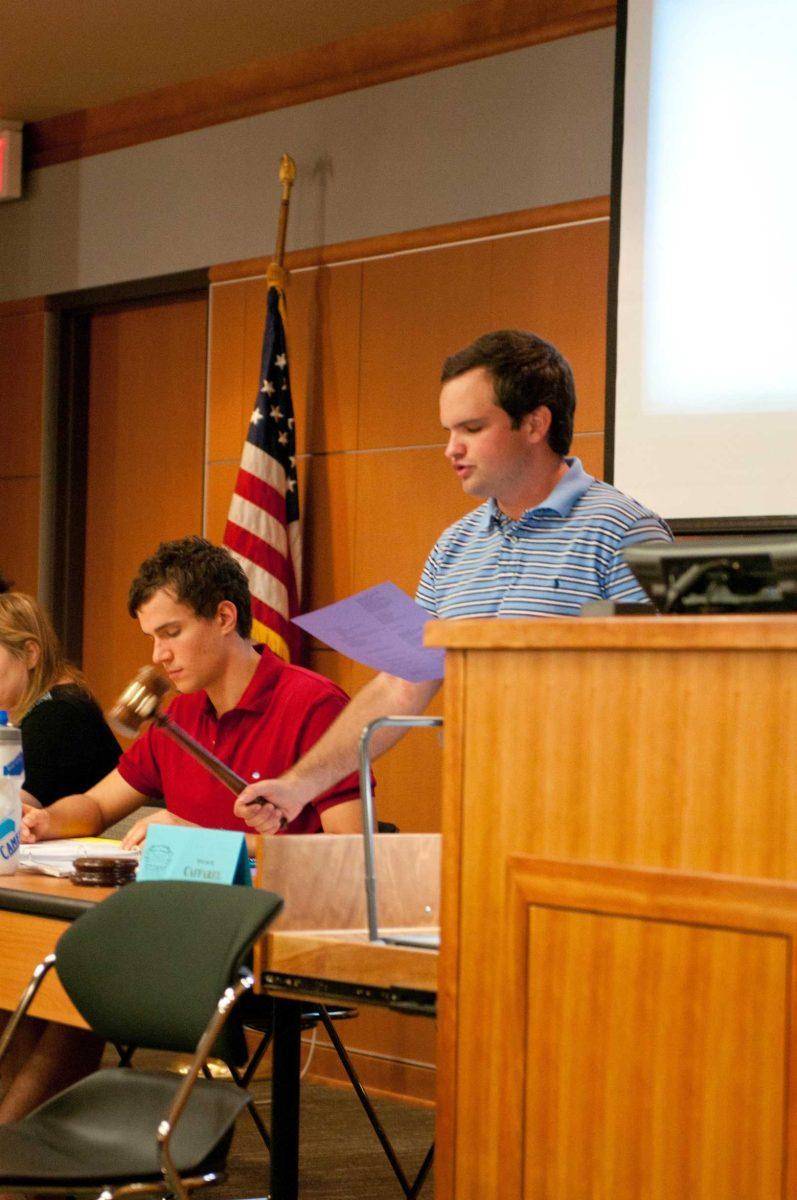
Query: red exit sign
10	159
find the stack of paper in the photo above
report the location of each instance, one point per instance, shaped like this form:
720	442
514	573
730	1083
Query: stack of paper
57	858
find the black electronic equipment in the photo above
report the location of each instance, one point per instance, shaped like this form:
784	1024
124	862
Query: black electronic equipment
718	575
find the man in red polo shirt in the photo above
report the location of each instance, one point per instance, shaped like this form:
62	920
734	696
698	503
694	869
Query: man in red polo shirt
252	710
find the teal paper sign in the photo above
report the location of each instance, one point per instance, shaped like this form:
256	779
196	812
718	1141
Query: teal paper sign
189	853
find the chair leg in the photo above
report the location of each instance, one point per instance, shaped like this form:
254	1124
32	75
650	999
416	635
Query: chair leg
242	1080
255	1060
409	1190
420	1178
259	1126
125	1054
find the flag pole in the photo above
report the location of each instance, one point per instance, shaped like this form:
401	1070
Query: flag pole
263	531
276	275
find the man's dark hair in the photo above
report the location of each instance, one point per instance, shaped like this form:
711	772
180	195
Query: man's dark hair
527	372
199	574
5	584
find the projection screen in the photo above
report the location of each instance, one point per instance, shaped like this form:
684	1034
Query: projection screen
702	393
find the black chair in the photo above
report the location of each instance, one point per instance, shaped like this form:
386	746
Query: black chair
158	965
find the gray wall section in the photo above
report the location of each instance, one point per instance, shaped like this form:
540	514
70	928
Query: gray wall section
527	128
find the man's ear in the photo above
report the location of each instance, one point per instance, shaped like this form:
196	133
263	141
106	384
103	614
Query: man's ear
227	616
537	423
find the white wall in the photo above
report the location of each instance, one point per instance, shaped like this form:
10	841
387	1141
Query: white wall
522	129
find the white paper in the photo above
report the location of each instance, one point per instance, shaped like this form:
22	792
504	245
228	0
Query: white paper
57	857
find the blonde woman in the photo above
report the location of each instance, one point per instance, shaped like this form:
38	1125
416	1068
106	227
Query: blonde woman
67	747
66	744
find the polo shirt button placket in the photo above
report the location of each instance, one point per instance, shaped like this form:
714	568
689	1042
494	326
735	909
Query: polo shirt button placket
508	551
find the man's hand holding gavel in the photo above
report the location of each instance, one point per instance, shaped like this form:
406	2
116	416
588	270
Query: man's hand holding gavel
271	803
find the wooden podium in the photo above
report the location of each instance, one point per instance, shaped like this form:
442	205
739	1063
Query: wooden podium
618	974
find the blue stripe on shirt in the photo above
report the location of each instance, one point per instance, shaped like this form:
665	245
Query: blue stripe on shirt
548	563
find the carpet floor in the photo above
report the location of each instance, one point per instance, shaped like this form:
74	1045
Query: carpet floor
340	1157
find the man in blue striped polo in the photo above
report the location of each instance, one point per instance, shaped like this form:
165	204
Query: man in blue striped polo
547	539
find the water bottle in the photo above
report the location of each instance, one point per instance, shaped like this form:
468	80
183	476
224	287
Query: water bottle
12	773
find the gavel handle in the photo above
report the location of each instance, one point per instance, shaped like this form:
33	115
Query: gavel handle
228	777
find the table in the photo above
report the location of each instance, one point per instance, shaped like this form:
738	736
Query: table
316	949
34	912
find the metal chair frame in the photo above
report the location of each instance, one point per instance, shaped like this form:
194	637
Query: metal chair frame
180	1186
206	1119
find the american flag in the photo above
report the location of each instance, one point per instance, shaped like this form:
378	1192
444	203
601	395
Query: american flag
263	529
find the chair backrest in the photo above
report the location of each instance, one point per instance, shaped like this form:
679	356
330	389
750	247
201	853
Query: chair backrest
148	965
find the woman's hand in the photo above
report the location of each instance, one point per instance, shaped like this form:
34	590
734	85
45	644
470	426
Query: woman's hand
35	826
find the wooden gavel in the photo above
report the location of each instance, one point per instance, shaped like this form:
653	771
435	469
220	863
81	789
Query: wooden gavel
140	702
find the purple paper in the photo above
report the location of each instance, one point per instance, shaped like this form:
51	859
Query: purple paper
380	627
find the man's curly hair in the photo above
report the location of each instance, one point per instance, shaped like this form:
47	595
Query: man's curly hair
199	574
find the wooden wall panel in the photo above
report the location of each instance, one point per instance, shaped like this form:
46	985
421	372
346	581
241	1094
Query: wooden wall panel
323	324
408	1072
330	508
19	532
405	498
589	448
21	377
219	482
236	332
146	449
228	366
417	308
554	281
334	666
324	309
22	349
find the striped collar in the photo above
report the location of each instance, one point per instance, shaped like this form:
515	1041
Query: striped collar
570	488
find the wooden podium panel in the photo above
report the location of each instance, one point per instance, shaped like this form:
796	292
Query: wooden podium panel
662	743
657	1048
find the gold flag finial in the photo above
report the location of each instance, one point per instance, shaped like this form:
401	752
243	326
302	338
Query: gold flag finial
287	172
287	177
